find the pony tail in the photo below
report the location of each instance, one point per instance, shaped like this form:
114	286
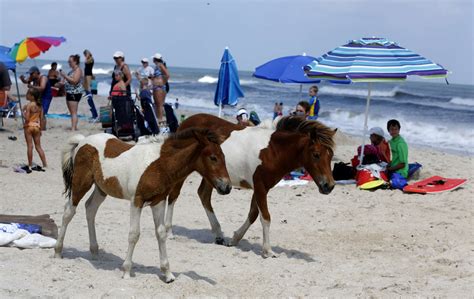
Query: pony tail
67	163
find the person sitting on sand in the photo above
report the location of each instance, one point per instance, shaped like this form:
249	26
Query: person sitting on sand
34	119
377	138
243	118
314	103
398	167
119	89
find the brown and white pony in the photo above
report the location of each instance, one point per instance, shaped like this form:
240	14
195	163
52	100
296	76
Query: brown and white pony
258	158
143	174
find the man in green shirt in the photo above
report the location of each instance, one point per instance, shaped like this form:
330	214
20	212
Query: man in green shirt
398	168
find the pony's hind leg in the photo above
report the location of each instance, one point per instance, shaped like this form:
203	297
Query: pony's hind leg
81	183
158	211
133	236
205	193
92	205
69	212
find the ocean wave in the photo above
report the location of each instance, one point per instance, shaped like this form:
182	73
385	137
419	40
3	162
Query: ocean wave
248	82
439	135
101	71
208	79
462	101
332	90
47	67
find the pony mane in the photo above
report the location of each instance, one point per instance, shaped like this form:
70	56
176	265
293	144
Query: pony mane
318	132
183	139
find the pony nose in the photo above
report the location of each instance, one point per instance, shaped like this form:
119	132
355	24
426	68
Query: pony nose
327	188
223	187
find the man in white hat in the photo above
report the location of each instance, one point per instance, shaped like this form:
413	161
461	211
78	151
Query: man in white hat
377	138
145	71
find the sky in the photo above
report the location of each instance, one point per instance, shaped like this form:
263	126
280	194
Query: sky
194	33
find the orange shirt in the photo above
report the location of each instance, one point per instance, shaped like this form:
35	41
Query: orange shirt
384	151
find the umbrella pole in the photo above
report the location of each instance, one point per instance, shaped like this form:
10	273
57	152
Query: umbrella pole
19	99
301	91
365	124
220	109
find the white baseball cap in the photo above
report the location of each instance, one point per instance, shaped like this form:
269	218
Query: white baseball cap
145	60
157	56
243	113
118	54
377	131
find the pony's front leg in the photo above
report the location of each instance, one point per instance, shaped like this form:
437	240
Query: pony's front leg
252	216
69	212
265	220
158	211
205	193
133	236
173	196
92	205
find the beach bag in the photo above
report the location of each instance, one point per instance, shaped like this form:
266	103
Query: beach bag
254	118
171	118
105	113
343	171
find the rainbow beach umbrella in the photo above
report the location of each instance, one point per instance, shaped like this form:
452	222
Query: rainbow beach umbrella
372	59
32	47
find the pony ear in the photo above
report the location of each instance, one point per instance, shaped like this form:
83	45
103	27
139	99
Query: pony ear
334	132
200	137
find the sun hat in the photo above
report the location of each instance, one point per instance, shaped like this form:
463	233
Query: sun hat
118	54
243	113
145	60
33	69
157	56
377	131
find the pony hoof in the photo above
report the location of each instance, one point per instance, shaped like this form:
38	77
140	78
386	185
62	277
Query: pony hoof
170	278
221	241
126	275
58	255
267	254
171	236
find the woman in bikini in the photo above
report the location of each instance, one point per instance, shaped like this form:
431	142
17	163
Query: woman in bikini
33	114
160	78
74	89
119	89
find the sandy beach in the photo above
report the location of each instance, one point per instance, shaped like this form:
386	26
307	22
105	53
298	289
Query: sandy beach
346	244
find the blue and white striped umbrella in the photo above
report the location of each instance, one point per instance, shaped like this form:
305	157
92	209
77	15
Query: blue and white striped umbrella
372	60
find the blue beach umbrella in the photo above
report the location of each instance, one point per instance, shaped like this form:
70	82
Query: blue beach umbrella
372	60
228	88
287	69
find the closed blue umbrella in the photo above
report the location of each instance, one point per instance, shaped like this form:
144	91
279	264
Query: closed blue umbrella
228	88
372	60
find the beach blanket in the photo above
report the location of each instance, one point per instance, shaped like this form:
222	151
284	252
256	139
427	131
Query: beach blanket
47	224
63	116
12	235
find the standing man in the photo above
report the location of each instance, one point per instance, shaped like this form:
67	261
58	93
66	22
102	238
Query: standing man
40	83
145	71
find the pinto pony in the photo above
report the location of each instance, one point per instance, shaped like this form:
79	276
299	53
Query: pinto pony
143	174
257	159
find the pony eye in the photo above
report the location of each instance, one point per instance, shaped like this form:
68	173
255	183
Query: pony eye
213	158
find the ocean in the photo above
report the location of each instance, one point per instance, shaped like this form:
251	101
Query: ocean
432	113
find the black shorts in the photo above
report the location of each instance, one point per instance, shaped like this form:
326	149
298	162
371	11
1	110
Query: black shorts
73	97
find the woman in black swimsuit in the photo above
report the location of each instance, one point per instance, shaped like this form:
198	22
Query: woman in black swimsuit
88	66
123	67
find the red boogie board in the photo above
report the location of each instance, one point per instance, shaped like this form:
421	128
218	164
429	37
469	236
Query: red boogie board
434	184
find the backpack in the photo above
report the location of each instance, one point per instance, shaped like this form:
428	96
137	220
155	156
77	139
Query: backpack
254	118
343	171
